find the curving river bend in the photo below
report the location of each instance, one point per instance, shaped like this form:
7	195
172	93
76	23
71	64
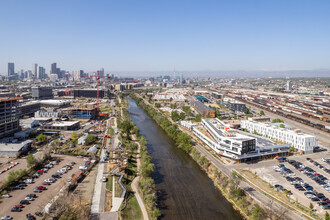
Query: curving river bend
184	191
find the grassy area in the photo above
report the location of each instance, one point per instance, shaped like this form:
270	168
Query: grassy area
105	109
132	210
108	185
111	131
118	189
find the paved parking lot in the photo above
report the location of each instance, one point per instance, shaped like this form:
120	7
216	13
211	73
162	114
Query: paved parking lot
43	198
265	170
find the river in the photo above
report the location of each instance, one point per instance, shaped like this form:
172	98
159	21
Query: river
184	191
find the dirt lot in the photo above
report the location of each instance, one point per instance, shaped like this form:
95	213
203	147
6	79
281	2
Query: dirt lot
43	198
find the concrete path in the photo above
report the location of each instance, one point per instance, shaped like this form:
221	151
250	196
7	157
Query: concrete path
134	186
96	200
116	201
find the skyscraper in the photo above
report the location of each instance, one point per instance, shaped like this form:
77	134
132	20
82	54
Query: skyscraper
11	69
41	73
53	69
34	70
289	85
102	72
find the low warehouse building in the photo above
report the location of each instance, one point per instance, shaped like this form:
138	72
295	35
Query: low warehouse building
62	125
14	150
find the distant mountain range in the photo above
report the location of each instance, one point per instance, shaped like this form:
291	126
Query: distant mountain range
229	73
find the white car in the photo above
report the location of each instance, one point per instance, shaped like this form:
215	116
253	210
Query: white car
29	181
29	198
6	217
82	168
324	159
6	196
49	181
104	179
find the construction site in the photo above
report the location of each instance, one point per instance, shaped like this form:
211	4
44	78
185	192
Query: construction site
82	111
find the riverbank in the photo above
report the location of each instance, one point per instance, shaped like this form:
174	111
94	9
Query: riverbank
226	182
180	183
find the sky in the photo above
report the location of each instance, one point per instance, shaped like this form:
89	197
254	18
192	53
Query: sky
162	35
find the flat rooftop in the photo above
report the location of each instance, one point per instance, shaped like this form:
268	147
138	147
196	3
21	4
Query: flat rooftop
64	123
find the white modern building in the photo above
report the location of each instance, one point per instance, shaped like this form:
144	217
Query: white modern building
298	140
231	143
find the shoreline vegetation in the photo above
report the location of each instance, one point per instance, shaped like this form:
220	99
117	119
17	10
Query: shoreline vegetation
146	184
240	200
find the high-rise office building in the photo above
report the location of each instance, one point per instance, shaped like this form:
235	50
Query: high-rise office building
53	69
11	69
289	85
41	72
34	70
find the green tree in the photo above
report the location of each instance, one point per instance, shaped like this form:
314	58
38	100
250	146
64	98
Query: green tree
187	110
247	111
41	138
74	136
311	205
282	126
229	118
90	139
257	212
198	118
175	115
262	112
31	161
157	105
327	216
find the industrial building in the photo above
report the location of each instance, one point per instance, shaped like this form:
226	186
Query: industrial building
82	112
234	105
90	93
201	98
202	109
16	149
170	97
62	125
39	92
29	108
217	95
9	115
302	142
233	144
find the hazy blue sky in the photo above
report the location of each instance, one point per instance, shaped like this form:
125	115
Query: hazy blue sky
153	35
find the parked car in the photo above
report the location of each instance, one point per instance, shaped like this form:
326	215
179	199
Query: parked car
18	206
6	196
37	190
7	217
16	209
24	202
32	195
29	198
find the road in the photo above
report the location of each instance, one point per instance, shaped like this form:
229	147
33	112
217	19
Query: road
43	198
98	200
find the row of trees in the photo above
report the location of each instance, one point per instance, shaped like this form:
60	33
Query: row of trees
147	184
181	139
230	185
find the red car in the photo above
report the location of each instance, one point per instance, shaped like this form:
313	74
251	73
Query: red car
41	188
41	171
18	206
